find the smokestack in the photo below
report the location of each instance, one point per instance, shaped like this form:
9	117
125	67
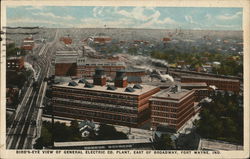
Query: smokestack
121	79
167	70
178	88
99	77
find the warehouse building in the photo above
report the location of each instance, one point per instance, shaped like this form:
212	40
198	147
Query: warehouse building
28	44
65	62
173	107
221	83
15	63
201	89
86	66
114	103
66	40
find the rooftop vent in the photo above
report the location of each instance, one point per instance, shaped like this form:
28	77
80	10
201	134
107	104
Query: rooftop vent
72	83
129	89
176	89
110	87
82	80
137	86
88	85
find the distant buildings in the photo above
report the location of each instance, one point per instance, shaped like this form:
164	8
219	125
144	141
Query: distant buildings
114	103
221	83
165	40
66	40
173	107
28	44
15	63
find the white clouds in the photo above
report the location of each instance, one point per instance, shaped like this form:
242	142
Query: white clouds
189	19
229	17
52	15
208	16
35	22
99	23
139	13
97	11
136	13
137	17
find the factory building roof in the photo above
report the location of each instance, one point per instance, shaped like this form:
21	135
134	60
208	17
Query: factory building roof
65	60
66	52
171	94
134	79
194	84
108	88
98	62
210	78
14	58
59	79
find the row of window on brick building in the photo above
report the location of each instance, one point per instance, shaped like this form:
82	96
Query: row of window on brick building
91	114
95	107
115	96
96	99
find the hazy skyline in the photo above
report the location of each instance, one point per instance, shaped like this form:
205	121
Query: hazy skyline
199	18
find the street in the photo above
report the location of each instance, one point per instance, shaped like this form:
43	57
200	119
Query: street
27	117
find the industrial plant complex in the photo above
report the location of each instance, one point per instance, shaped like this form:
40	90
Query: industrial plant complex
104	81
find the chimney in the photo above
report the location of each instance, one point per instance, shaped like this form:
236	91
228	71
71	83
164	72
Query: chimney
121	79
167	70
178	88
99	77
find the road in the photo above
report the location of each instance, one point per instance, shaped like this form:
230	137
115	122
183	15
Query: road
27	121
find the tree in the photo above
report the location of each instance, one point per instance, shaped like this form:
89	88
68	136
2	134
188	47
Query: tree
44	140
222	119
76	135
108	132
165	143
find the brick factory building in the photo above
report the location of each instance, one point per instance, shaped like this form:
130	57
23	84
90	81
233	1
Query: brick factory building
221	83
102	39
28	44
201	89
66	40
86	67
65	63
173	107
15	63
114	103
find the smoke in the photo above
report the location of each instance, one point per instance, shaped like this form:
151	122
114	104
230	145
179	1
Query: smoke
147	68
149	60
167	76
164	77
28	66
147	63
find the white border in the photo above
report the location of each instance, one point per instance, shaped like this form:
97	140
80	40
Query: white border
245	4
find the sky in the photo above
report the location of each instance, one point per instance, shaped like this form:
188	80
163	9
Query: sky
196	18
